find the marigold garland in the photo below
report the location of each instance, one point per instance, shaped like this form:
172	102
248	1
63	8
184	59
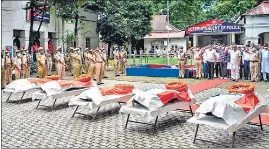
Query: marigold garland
84	78
124	86
53	77
241	88
177	85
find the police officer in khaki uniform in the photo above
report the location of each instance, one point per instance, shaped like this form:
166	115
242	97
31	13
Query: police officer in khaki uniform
41	63
181	61
105	62
9	65
3	70
123	60
92	63
25	63
116	54
76	63
87	60
254	64
18	64
70	63
99	66
60	62
49	61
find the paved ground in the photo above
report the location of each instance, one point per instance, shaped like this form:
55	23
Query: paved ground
23	126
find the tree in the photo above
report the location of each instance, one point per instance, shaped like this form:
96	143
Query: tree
36	8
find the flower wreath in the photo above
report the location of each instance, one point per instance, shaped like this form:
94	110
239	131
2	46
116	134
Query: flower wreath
53	77
241	88
84	78
177	85
124	86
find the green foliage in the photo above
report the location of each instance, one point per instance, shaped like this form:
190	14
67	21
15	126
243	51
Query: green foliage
68	38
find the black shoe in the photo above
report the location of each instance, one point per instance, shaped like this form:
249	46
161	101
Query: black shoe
233	79
102	83
265	81
105	77
94	79
98	83
252	81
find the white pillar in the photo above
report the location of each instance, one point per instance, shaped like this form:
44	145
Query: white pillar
195	40
26	38
233	37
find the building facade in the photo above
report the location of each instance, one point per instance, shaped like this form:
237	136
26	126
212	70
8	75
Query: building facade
16	27
157	40
256	23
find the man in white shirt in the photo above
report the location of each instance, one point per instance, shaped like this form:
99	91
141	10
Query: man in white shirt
246	62
235	62
211	57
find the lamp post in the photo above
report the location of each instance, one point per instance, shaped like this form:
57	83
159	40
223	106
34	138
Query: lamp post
168	21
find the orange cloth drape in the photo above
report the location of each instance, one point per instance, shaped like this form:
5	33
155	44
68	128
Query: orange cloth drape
167	96
248	101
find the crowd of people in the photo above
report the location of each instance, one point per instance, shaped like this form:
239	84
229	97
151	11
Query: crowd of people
76	60
250	62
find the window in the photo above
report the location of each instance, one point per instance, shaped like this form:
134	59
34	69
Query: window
88	42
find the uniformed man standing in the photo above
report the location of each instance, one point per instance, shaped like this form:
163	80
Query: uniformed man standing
87	60
104	57
49	61
116	61
3	70
254	64
18	64
9	65
92	59
25	63
123	60
76	63
70	55
99	66
181	61
41	63
197	55
60	62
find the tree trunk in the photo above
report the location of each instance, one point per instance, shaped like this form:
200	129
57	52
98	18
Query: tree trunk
62	37
108	49
41	21
76	29
31	27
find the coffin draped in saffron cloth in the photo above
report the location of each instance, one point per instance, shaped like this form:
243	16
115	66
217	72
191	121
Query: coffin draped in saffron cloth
232	108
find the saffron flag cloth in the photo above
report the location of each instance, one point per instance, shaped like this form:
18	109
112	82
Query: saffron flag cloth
248	102
226	108
157	98
114	91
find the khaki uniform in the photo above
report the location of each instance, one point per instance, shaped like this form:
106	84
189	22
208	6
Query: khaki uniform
26	67
76	65
49	63
198	64
104	57
99	66
41	65
60	64
18	69
89	63
254	66
181	63
116	61
8	69
3	73
123	57
70	62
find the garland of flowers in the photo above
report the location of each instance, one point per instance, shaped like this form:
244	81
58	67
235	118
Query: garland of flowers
177	85
83	78
53	77
124	86
241	88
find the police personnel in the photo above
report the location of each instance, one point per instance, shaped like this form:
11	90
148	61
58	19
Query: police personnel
41	63
123	60
9	65
49	61
105	61
99	66
18	64
3	70
60	62
87	60
116	61
181	61
25	63
254	64
76	63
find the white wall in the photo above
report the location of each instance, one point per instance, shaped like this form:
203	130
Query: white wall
254	26
179	41
14	17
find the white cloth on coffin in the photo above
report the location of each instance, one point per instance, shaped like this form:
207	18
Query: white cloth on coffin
21	85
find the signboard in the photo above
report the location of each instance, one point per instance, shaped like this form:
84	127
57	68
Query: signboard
37	16
214	26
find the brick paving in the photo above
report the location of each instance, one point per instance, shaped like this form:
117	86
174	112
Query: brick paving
23	126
